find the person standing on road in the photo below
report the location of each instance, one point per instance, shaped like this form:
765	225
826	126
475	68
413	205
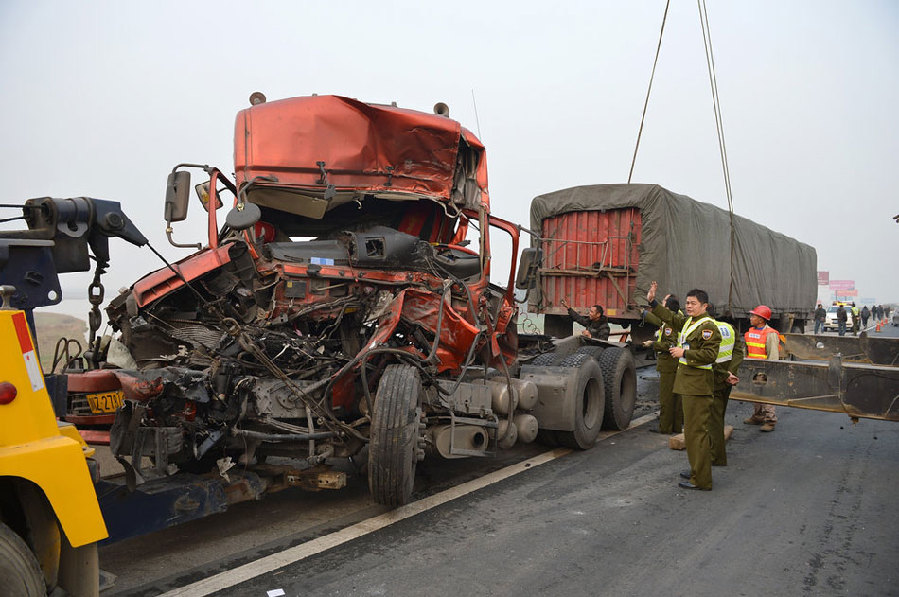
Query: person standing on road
886	311
820	317
596	324
730	355
671	411
865	315
763	342
696	350
854	319
841	320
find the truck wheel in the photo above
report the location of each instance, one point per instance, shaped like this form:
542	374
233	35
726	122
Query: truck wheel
547	359
593	351
19	568
620	376
394	436
589	403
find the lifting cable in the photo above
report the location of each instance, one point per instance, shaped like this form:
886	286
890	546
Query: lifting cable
719	126
646	101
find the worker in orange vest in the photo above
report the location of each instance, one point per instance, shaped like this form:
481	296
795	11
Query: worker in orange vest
762	342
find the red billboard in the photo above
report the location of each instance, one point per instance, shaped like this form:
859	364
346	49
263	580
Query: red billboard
842	284
823	278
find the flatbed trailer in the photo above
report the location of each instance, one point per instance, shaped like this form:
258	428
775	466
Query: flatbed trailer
856	376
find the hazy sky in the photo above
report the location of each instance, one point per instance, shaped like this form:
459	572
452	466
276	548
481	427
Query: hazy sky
101	99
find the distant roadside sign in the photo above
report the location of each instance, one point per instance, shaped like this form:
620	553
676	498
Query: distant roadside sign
842	284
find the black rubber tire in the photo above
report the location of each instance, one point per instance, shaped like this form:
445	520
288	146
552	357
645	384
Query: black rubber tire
590	406
394	436
574	360
593	351
619	374
19	569
547	359
797	329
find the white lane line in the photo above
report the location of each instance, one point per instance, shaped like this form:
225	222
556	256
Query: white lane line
272	562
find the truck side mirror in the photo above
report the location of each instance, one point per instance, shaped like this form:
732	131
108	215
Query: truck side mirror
177	194
531	260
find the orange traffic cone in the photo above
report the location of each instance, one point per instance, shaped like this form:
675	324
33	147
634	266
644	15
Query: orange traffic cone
877	327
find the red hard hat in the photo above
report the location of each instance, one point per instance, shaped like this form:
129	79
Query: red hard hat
762	311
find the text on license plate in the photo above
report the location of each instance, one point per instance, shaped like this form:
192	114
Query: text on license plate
106	402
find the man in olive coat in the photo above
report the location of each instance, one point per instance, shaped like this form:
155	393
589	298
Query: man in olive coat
697	349
725	368
671	410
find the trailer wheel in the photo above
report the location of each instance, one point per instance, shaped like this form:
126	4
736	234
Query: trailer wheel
394	436
620	376
19	568
589	405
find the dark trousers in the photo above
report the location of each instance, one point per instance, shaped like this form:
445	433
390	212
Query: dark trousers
716	425
671	410
697	414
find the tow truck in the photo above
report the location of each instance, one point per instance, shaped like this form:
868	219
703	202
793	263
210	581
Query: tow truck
50	521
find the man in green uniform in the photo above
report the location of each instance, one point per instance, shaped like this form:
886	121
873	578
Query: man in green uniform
730	355
671	411
697	349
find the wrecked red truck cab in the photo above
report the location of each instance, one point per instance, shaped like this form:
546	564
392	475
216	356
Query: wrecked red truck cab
344	306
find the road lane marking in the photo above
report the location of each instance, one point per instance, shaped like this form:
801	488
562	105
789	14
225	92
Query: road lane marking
273	562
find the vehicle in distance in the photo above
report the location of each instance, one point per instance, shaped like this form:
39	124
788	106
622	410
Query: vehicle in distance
830	320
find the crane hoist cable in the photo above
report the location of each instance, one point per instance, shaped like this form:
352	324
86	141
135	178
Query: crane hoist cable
722	147
648	91
719	126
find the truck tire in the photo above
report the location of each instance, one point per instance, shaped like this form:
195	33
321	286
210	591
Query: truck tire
394	436
593	351
620	376
589	403
547	359
19	569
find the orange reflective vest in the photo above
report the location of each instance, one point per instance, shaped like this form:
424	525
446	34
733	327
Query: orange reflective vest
756	339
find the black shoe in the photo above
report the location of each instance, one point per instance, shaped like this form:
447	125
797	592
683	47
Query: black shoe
685	475
688	485
654	429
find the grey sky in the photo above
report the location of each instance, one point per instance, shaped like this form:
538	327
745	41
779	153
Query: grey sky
103	98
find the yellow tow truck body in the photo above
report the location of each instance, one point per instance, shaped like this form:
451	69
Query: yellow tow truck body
47	496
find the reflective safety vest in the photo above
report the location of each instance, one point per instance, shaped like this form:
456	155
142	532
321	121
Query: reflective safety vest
690	327
756	340
728	340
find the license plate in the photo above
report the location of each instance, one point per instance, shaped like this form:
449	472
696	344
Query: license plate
106	402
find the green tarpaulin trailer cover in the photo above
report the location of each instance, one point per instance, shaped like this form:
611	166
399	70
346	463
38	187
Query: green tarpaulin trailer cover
626	236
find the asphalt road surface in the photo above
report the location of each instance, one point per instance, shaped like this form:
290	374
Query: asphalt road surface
806	510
